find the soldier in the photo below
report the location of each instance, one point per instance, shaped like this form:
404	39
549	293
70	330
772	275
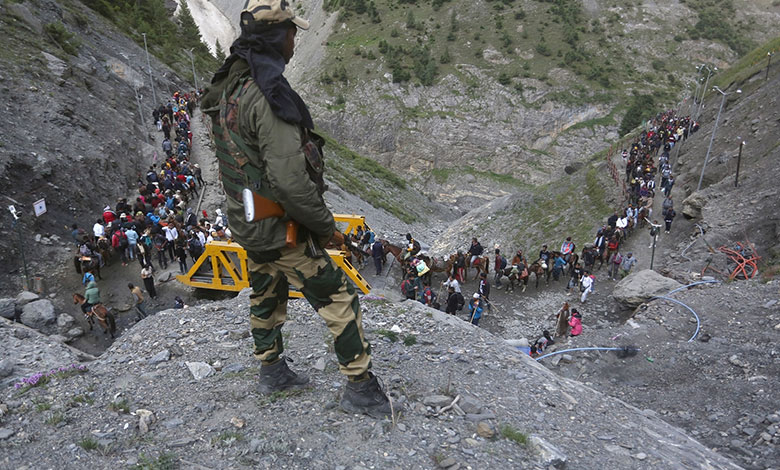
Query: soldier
270	164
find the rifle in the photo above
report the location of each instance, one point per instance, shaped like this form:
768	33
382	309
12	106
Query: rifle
257	207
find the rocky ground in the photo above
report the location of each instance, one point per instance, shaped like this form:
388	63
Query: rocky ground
180	388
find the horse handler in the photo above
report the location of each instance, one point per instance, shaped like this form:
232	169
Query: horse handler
271	169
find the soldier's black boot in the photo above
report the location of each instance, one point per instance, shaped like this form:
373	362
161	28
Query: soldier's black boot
366	397
278	377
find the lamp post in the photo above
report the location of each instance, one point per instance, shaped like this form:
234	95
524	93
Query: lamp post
768	62
141	113
699	69
194	78
739	160
714	130
710	72
151	78
16	225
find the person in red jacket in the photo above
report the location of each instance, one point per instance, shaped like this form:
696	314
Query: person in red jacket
575	322
108	215
119	243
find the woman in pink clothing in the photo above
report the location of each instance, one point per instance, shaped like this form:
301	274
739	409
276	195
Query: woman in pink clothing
575	322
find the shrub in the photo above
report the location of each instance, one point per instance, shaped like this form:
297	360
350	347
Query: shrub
67	41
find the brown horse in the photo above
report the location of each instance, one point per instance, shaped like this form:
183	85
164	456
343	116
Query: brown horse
437	265
104	247
516	274
87	264
481	265
99	311
537	269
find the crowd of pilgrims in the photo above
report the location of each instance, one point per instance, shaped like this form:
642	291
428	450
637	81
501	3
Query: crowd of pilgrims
159	224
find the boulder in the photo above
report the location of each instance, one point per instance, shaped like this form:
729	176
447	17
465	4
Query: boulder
74	333
7	308
6	368
640	286
25	297
38	314
65	322
693	204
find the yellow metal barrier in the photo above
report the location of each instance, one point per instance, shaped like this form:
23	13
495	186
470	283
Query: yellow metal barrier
222	266
353	222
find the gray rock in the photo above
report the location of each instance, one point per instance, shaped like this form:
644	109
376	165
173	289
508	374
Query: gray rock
65	321
693	204
38	314
161	356
6	368
5	433
25	298
74	333
548	454
200	370
234	368
470	405
640	286
447	463
437	400
173	423
255	445
7	308
319	365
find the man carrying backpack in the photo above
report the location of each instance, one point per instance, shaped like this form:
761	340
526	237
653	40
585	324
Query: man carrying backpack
499	266
455	301
614	265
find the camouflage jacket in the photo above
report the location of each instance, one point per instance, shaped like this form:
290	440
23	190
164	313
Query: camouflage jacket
257	149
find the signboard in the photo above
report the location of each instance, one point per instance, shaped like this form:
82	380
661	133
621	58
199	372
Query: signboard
40	207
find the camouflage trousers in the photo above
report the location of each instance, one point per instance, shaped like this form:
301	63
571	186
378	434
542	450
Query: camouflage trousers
326	288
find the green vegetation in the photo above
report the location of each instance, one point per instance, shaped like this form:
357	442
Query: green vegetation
224	439
121	406
42	406
716	22
161	462
509	432
63	38
88	443
365	178
391	335
168	39
641	108
410	340
441	175
56	418
751	63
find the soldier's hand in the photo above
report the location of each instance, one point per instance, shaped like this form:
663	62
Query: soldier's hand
338	238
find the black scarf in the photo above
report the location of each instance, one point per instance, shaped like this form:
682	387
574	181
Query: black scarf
262	51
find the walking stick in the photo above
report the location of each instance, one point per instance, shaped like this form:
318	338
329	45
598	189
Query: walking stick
390	267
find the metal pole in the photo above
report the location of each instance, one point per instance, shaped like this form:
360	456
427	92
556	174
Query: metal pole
141	113
768	62
698	84
739	160
706	157
655	237
194	77
151	78
704	91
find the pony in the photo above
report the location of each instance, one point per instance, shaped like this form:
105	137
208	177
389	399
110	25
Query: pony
394	250
104	317
481	265
104	247
538	270
85	264
515	274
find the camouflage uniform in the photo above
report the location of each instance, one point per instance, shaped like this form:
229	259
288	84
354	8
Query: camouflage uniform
280	161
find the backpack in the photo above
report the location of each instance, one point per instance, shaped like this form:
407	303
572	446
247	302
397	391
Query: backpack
503	263
618	258
612	245
459	300
194	244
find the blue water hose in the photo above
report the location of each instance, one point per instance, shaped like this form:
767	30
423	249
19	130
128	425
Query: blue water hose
587	349
698	321
663	297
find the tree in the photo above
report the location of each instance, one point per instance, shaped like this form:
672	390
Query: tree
189	33
219	53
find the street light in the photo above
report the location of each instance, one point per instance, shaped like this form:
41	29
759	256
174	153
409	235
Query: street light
151	78
739	160
710	72
717	119
15	224
194	78
699	69
768	62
